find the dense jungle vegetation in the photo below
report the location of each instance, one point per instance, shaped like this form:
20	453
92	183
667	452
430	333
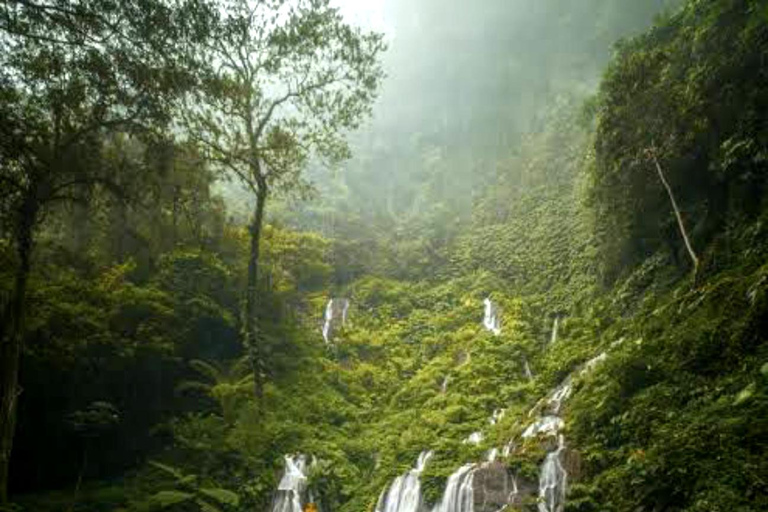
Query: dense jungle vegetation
185	184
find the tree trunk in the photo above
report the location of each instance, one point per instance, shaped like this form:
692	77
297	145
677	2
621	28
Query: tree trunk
252	342
678	215
11	338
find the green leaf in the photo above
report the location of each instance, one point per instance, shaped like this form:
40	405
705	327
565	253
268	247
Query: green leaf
206	507
745	394
165	499
168	469
223	496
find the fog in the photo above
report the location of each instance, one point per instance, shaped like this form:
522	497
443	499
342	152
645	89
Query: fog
466	82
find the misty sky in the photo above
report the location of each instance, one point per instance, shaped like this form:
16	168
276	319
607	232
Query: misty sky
365	13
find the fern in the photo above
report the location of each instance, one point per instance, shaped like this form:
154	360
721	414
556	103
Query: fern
187	490
223	496
165	499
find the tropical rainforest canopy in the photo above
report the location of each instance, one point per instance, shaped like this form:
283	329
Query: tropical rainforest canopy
383	255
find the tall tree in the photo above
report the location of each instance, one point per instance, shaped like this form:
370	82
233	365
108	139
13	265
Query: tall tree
677	137
289	79
69	72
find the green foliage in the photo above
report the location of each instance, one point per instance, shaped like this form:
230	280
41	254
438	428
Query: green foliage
690	90
189	491
230	385
675	415
132	333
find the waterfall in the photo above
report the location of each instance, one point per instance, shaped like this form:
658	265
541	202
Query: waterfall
589	365
404	495
492	317
497	416
544	425
444	385
459	493
474	438
553	481
561	394
553	338
292	485
507	451
328	321
344	312
553	478
336	310
527	368
491	455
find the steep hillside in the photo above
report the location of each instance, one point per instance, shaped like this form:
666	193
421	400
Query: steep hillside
583	331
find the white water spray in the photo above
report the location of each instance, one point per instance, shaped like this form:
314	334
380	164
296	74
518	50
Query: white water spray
491	317
404	495
335	311
555	324
292	485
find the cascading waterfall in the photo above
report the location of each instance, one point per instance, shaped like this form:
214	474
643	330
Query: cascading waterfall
492	317
553	480
404	495
507	451
292	485
444	385
492	322
548	425
459	493
336	310
553	477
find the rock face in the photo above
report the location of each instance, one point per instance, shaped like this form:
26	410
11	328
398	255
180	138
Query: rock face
487	487
493	488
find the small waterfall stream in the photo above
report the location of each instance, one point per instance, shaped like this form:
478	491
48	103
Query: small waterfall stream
292	486
492	317
404	495
459	495
486	486
527	368
444	385
474	438
553	480
555	325
335	312
553	476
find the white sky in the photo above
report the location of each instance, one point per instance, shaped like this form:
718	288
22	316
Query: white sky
365	13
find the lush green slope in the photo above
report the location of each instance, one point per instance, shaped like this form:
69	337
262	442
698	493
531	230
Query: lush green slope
574	226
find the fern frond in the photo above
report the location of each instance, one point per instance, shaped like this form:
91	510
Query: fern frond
165	499
223	496
178	475
207	368
191	385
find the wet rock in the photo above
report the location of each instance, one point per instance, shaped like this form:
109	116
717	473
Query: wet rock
494	487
